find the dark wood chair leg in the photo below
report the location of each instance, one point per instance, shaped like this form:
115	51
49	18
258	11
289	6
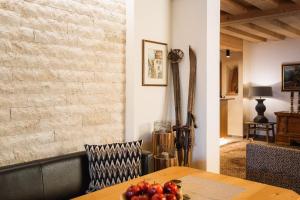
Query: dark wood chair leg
267	134
273	133
248	132
254	132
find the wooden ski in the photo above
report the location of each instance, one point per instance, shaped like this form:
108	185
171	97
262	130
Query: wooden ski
298	107
190	125
175	56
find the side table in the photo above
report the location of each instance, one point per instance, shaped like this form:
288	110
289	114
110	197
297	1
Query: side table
269	126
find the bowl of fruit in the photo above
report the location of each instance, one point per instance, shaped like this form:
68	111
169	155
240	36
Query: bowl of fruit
146	191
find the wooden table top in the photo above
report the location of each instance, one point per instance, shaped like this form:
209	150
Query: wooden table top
253	190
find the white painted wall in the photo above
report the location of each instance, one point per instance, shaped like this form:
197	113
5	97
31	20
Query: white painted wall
262	64
197	23
146	19
194	23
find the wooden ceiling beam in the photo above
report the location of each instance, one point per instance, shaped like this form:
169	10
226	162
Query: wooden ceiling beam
265	31
264	4
252	16
232	7
273	27
286	27
242	37
231	43
244	33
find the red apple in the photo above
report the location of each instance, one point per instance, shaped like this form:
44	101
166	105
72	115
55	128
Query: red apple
158	197
132	191
155	189
144	186
171	197
170	188
143	197
135	198
136	189
140	197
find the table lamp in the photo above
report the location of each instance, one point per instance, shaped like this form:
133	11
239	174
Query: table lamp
260	91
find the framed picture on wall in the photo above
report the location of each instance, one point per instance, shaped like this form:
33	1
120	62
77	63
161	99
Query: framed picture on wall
155	67
290	77
232	80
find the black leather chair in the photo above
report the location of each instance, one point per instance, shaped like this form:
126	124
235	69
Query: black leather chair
57	178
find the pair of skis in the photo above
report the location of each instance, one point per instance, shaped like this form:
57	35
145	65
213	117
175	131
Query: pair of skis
184	133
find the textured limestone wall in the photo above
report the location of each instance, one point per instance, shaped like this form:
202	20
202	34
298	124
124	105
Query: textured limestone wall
62	76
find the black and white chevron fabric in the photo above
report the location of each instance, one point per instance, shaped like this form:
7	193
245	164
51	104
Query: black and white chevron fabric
110	164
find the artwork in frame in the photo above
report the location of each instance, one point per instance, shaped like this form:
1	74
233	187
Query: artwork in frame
233	80
291	77
155	67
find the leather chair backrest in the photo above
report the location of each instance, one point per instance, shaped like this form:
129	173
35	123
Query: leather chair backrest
21	182
58	178
66	177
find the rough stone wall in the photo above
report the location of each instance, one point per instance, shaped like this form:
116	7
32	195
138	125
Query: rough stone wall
62	76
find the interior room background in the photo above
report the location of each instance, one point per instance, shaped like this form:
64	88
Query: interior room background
262	67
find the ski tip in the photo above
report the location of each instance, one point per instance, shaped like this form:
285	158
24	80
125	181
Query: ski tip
192	52
191	49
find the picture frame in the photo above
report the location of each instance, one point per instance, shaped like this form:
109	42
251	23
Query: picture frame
232	80
154	63
290	74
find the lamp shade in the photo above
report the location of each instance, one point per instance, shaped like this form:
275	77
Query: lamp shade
261	91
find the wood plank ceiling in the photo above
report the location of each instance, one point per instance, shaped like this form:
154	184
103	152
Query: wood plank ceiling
258	21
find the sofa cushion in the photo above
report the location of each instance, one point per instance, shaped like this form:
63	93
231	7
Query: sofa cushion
65	177
110	164
21	182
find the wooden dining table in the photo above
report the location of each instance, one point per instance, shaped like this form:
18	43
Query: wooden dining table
249	189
